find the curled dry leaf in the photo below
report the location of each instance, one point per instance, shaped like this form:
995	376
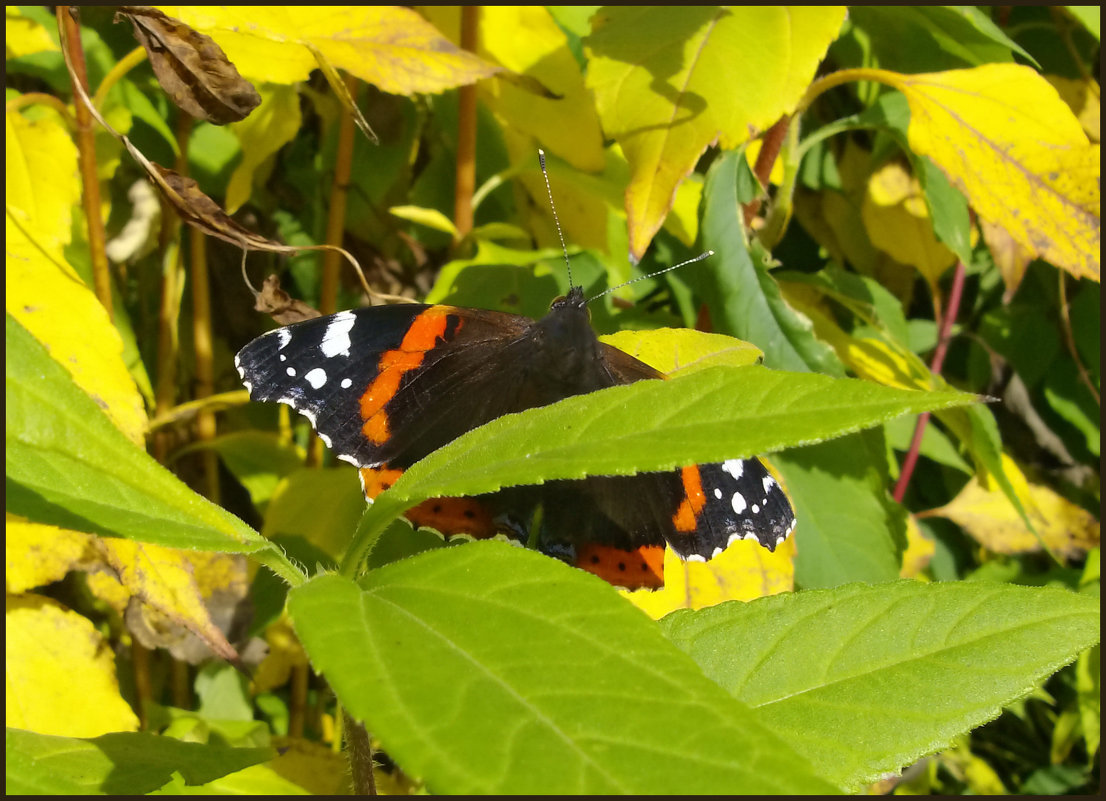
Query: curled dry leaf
282	307
191	68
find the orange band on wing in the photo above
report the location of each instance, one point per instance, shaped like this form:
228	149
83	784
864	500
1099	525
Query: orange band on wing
425	331
686	517
641	567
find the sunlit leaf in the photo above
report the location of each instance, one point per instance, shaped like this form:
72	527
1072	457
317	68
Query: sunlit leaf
43	291
742	572
50	677
443	628
866	679
388	46
986	514
1004	137
669	81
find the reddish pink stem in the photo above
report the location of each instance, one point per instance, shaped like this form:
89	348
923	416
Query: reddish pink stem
935	366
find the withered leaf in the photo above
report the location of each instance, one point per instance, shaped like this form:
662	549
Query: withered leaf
191	68
197	209
282	307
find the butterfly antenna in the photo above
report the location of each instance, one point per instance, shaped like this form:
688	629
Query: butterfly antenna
556	221
700	257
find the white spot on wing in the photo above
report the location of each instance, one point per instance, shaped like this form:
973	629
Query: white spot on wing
336	337
768	482
738	503
285	336
735	467
316	378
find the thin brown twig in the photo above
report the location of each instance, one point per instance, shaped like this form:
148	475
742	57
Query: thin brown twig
70	33
466	133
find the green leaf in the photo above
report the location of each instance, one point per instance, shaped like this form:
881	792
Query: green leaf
706	416
948	208
493	669
131	763
849	530
662	425
258	459
68	466
931	38
863	680
744	301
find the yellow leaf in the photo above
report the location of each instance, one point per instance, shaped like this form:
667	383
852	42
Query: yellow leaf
1004	137
884	361
165	580
742	572
271	126
60	673
431	218
987	515
23	36
390	47
919	550
285	653
38	554
669	81
1011	259
684	349
527	41
43	291
898	222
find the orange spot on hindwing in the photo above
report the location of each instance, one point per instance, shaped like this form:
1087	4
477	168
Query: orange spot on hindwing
642	567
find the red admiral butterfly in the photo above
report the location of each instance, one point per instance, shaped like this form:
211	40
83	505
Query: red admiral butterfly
385	386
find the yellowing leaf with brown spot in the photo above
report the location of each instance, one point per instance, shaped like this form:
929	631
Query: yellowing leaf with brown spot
671	80
60	674
1005	139
164	579
988	516
898	222
38	554
44	293
742	572
390	47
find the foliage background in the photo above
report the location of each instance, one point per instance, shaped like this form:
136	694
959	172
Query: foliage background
880	223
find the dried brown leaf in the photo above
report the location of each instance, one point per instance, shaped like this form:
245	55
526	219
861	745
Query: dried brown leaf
282	307
191	68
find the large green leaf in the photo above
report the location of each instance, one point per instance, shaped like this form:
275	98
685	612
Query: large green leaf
493	669
68	466
709	415
124	763
864	679
850	530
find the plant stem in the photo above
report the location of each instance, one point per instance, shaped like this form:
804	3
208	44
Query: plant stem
935	366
